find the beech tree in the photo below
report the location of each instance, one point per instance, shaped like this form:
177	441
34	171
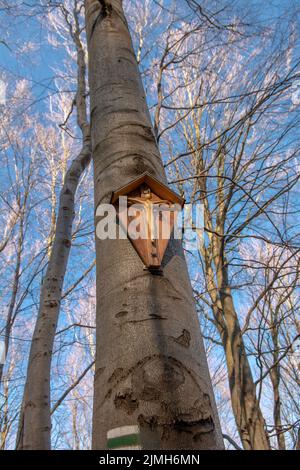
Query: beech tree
35	419
218	168
220	84
161	382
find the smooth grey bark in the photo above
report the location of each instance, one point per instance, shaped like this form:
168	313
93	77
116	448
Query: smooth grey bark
151	366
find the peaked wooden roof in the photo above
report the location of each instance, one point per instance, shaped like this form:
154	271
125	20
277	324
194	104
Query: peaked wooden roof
159	188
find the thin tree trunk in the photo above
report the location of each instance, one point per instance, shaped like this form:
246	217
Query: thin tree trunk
246	409
35	420
36	423
151	367
15	287
275	379
248	417
245	405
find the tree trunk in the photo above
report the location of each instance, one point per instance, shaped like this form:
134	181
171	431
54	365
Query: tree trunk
245	405
35	423
151	368
275	376
35	419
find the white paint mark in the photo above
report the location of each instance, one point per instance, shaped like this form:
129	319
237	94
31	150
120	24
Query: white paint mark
2	352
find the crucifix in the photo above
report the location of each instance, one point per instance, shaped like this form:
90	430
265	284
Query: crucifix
151	195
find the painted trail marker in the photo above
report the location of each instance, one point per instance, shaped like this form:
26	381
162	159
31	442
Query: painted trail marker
124	438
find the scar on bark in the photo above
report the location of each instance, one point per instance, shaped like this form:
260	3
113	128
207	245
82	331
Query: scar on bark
148	133
118	373
197	428
151	317
126	401
184	339
99	372
105	11
195	419
122	313
192	414
51	303
140	166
